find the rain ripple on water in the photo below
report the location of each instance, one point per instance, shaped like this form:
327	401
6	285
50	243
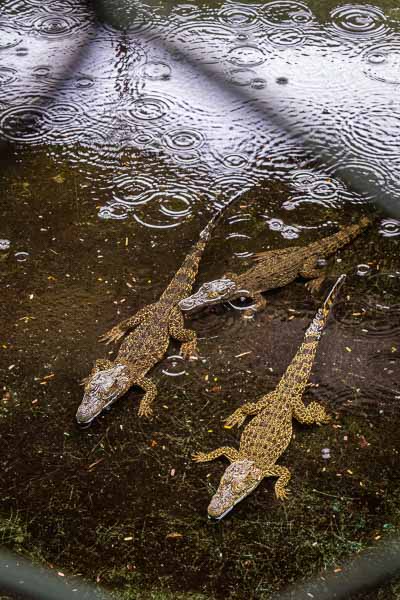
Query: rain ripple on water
174	366
7	75
375	310
390	228
246	56
9	37
55	6
161	217
289	232
54	26
314	188
286	13
367	132
148	108
256	45
183	139
28	124
155	206
132	191
157	70
286	37
357	20
382	63
201	40
239	16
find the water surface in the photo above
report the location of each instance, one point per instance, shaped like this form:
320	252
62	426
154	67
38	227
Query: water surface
118	143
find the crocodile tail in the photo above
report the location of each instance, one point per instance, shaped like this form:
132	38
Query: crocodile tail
268	255
181	285
205	234
318	322
352	231
332	295
297	373
334	242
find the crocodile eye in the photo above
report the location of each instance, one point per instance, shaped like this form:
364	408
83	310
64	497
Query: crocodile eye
213	294
101	380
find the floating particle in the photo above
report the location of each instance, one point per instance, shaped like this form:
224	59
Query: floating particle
326	453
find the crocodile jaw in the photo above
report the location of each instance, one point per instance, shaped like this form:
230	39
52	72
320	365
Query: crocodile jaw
209	293
102	389
238	481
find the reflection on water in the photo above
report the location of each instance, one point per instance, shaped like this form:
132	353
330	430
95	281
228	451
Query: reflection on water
118	144
144	88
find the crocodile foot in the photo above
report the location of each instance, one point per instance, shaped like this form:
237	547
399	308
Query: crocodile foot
314	285
236	418
145	411
111	336
324	420
189	350
248	313
282	493
200	457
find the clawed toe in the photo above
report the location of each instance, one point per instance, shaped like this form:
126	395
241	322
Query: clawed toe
248	313
189	351
313	286
283	494
111	336
145	411
199	457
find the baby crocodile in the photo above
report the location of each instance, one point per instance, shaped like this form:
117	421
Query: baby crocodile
267	436
152	326
273	269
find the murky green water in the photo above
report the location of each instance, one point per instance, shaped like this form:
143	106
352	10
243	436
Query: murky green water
116	147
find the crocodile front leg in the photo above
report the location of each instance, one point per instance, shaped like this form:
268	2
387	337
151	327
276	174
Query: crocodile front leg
177	330
250	408
283	475
259	304
231	454
313	413
145	406
310	271
117	332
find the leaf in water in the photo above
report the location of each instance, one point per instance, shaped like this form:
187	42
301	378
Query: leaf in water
173	536
59	178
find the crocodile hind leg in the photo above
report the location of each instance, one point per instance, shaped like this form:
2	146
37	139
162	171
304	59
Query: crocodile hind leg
310	271
231	454
250	408
314	285
177	330
283	475
313	413
117	332
145	406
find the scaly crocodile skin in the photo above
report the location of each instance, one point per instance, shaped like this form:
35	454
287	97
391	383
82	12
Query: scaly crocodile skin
267	436
274	269
147	338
